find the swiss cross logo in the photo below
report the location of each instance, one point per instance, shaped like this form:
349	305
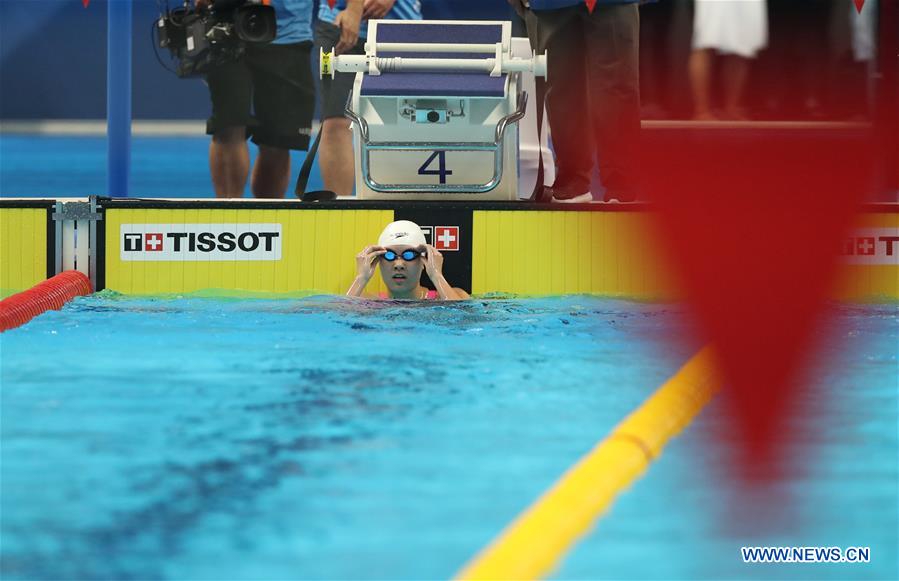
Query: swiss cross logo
872	246
865	246
446	237
153	242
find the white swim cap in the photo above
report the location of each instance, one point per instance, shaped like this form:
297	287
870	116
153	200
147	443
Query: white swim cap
402	233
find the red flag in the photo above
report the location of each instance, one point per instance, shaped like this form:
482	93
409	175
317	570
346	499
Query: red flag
859	4
751	223
591	4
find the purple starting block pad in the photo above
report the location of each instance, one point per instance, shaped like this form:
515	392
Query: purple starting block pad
439	33
436	84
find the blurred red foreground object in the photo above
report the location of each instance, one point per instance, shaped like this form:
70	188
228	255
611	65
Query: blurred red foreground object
751	223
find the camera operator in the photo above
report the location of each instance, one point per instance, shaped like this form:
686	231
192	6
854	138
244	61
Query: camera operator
268	96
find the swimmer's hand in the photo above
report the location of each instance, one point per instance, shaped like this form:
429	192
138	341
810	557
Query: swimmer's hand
365	269
366	261
434	268
433	262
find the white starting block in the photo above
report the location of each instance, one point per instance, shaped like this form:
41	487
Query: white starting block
435	107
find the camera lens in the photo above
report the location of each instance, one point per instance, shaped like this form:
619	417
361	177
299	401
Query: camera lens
255	23
252	25
433	116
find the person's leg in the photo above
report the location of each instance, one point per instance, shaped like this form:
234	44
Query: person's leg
736	71
284	101
654	19
229	162
335	156
814	59
231	89
613	68
561	34
271	172
778	63
842	99
335	150
677	97
700	67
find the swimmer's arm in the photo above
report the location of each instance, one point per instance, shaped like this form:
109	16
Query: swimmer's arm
461	293
434	267
447	292
357	287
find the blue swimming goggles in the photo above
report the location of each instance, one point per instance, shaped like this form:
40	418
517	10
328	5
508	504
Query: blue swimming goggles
407	255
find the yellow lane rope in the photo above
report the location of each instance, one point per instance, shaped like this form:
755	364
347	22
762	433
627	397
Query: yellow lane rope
532	545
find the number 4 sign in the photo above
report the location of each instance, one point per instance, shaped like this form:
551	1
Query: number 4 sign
442	172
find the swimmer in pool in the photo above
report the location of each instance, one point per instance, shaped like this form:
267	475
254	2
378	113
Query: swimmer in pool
402	253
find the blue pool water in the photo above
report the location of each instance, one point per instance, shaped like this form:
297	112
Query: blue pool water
314	438
843	490
324	438
161	167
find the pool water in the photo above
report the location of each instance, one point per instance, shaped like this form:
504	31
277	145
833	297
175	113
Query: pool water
313	438
328	438
75	166
843	489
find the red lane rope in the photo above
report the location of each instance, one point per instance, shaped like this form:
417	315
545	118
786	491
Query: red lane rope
53	293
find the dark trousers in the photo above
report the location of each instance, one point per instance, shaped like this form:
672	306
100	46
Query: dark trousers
666	32
593	93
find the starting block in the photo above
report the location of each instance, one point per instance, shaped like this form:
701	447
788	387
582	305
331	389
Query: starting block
435	108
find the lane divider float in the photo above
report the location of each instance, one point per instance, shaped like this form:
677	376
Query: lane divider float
534	543
53	293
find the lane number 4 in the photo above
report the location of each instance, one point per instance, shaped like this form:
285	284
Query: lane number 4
441	171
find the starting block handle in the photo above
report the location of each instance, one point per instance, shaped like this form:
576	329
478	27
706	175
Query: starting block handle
352	63
433	47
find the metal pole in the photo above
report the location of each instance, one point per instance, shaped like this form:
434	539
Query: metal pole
118	97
